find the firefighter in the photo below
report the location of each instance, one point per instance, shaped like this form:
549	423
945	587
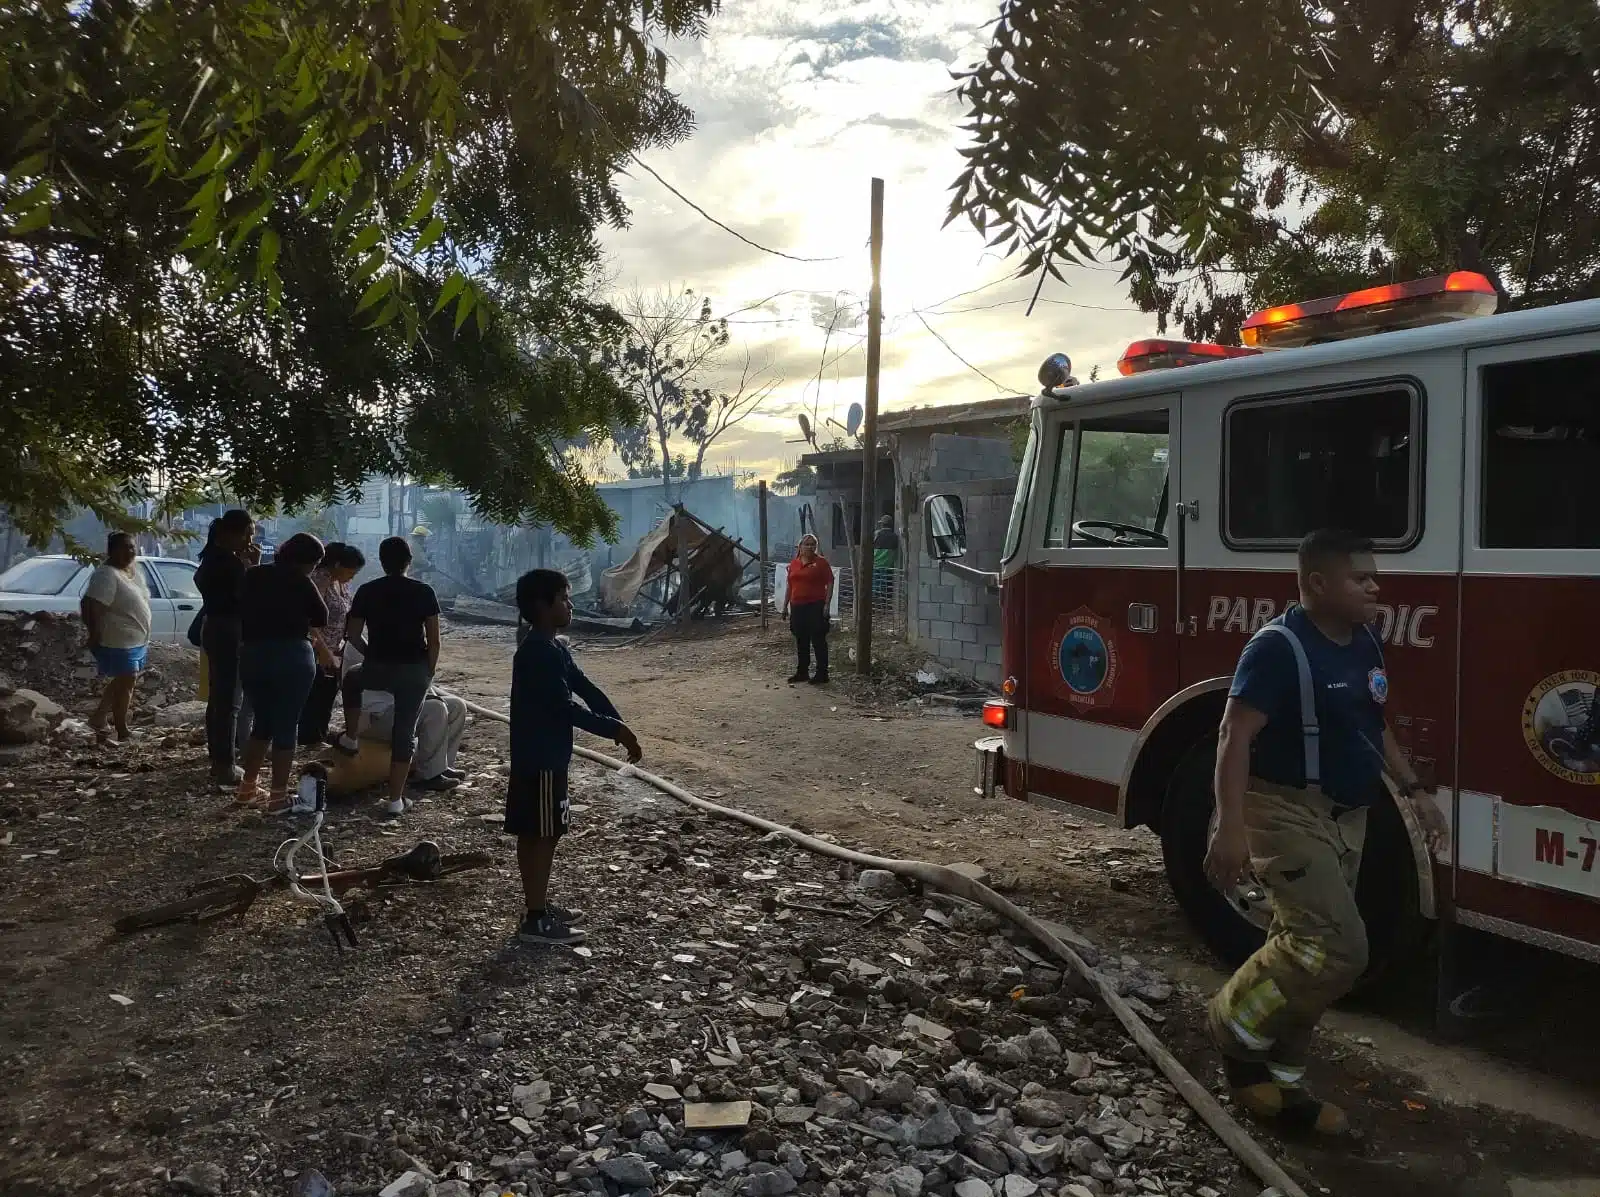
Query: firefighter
1302	750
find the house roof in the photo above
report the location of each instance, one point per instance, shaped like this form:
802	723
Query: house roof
677	483
834	457
942	416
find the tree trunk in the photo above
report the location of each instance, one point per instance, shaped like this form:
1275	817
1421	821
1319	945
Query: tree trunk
666	460
1471	258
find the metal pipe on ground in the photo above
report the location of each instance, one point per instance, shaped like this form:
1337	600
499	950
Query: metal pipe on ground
1222	1124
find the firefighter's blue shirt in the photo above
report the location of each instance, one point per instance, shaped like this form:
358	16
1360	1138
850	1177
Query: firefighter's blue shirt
1351	690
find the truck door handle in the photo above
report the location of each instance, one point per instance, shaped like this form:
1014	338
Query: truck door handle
186	606
1143	617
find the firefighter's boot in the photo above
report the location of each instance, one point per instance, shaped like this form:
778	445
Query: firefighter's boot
1270	1090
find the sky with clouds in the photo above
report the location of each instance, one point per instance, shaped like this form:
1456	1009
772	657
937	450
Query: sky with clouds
797	106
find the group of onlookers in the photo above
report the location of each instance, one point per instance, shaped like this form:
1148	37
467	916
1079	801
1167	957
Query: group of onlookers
283	643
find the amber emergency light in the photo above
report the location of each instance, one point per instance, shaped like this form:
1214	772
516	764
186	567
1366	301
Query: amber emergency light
1457	296
1159	354
997	713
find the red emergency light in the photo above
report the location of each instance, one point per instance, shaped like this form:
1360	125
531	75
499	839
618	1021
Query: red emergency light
1457	296
997	713
1159	354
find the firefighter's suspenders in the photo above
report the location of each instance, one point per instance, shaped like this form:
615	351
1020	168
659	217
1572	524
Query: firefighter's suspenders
1310	729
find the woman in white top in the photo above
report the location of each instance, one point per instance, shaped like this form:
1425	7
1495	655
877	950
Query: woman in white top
116	610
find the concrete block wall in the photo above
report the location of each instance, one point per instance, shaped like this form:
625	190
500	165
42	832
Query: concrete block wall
953	458
955	621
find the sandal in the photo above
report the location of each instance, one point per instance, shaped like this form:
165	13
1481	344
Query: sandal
275	803
249	796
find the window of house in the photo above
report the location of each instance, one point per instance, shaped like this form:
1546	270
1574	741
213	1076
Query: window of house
1541	453
1348	460
839	535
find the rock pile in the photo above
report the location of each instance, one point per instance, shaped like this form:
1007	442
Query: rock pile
748	1020
46	673
762	1040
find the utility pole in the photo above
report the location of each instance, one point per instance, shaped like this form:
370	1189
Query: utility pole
762	501
869	442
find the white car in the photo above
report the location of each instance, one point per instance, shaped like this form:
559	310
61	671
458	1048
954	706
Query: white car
56	583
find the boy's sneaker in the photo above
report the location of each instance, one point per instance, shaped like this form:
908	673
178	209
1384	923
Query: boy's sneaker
563	914
394	807
348	745
548	929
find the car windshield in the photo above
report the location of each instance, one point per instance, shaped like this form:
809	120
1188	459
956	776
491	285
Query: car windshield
39	575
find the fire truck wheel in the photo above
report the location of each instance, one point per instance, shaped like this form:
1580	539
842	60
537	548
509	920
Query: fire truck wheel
1386	891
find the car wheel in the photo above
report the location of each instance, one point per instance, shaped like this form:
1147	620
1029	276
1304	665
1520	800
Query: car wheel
1234	925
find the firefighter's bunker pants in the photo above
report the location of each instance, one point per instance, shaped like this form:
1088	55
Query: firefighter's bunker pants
1306	852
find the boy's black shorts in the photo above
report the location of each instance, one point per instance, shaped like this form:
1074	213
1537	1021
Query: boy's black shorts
537	805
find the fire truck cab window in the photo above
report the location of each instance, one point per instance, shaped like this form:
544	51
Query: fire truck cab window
1055	536
1347	460
1019	501
1541	453
1120	483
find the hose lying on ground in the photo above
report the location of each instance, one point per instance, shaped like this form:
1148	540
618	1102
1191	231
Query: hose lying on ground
1222	1124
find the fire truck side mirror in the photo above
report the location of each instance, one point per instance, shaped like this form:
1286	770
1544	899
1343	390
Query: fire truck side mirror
944	524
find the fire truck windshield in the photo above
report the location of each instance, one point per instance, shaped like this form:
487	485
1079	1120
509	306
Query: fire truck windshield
1111	474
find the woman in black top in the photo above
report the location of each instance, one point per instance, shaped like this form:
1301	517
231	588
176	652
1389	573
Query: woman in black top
394	622
230	551
279	607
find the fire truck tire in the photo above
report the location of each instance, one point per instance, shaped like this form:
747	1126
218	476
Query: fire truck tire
1386	892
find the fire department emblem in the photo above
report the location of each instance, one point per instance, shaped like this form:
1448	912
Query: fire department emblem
1378	685
1085	658
1561	725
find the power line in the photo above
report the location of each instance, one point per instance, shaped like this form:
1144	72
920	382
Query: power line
969	291
628	149
951	348
1067	303
777	253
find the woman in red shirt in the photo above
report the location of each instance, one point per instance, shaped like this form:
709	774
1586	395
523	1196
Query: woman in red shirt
806	604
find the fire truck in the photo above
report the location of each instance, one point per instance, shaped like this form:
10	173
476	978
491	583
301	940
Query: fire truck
1154	529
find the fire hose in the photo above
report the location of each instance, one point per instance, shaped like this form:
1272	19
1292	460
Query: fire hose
1211	1112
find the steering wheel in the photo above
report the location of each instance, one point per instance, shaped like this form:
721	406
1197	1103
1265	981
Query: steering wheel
1080	532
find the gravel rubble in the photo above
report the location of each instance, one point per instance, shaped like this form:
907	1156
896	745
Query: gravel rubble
866	1038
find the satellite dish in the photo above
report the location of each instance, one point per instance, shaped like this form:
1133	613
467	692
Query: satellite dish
805	428
852	419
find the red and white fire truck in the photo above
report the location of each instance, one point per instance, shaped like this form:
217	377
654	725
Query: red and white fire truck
1154	529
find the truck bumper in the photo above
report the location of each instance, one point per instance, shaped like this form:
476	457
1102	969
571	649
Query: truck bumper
989	776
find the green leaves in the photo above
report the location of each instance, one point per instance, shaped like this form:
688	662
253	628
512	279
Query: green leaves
1232	155
293	245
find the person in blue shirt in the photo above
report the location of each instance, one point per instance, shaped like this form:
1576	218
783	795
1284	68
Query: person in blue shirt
1293	786
545	686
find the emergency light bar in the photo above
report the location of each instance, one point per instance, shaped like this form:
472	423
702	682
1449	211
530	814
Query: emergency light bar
1456	296
1158	354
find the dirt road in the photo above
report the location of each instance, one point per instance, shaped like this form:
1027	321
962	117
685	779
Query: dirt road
895	777
242	1043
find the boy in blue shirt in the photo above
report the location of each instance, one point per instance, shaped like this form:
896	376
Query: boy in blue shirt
1293	787
544	679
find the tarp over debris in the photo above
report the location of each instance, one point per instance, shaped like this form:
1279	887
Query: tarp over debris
714	566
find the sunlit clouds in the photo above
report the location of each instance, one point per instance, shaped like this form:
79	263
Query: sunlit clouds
797	106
